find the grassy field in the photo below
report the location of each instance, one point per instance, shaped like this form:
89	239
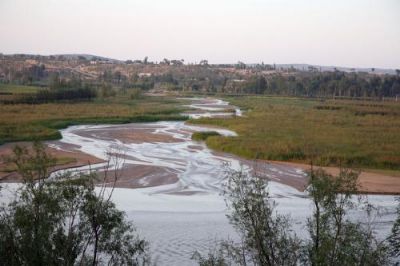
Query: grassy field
204	135
9	92
17	89
360	134
24	122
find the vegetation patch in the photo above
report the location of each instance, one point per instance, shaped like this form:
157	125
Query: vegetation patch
204	135
293	129
27	122
327	107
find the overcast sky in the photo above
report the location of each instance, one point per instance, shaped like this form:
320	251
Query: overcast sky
354	33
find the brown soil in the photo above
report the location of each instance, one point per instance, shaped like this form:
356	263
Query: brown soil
138	176
130	134
370	183
75	159
132	176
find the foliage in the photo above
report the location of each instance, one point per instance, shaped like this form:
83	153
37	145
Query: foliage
394	239
266	237
63	221
135	94
46	96
215	257
60	71
335	239
25	122
360	134
17	89
204	135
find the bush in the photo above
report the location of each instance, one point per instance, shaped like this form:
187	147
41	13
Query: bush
135	94
63	221
266	237
47	95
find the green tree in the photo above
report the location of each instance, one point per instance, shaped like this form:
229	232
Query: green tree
335	239
54	81
63	221
265	237
394	238
261	85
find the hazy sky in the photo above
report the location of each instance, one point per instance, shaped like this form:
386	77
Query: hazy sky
359	33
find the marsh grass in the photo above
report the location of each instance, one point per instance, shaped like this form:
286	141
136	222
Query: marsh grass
330	132
25	122
18	89
204	135
11	93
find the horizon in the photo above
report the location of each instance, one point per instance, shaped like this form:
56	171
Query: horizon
360	34
185	62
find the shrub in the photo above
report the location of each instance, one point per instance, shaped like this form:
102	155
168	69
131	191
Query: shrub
63	221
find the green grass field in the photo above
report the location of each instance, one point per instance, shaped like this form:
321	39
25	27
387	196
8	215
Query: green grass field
204	135
26	122
361	134
9	92
330	133
17	89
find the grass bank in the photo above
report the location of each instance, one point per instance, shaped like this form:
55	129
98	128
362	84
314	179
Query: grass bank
331	132
204	135
26	122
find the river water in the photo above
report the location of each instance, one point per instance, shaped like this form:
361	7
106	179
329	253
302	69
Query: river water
181	217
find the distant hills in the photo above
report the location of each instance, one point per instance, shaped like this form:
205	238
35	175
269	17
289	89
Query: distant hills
87	57
304	67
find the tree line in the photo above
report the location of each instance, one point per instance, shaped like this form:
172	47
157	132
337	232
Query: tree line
59	89
304	84
329	84
205	78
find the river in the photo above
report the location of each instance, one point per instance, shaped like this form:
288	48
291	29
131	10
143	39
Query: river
187	212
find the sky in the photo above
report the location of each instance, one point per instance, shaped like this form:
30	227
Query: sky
352	33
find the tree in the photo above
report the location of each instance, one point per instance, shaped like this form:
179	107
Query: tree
266	238
335	240
265	235
215	257
63	221
240	65
394	238
54	81
261	85
203	62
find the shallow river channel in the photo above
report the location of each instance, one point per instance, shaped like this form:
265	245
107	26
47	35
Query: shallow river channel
177	204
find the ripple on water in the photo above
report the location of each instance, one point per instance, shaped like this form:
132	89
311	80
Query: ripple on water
175	221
